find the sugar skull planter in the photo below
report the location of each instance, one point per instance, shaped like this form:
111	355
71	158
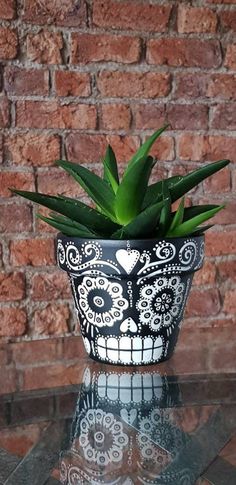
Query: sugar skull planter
130	295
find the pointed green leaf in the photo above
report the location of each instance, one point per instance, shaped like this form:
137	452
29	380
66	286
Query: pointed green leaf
110	168
178	217
143	225
188	226
194	210
69	222
143	151
96	188
194	178
165	217
154	191
131	191
74	209
66	229
198	231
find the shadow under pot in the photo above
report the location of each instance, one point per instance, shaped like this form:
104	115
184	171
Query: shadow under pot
130	296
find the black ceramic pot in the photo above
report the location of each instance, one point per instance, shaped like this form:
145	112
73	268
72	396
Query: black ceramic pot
130	295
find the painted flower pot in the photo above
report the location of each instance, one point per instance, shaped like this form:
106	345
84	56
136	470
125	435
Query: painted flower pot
130	295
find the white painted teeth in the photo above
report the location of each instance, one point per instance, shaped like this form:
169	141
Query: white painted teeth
129	387
127	350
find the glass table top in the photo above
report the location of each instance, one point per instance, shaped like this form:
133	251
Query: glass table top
122	426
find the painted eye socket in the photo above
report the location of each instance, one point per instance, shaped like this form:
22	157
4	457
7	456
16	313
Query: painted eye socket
98	301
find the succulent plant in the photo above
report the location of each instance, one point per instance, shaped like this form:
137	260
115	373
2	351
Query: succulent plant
128	208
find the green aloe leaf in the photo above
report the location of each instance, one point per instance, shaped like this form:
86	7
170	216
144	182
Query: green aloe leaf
143	151
131	191
143	225
178	217
96	188
74	209
69	222
165	217
189	226
66	229
154	191
198	231
194	178
110	169
194	210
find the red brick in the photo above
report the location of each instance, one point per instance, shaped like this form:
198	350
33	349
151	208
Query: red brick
224	117
73	348
18	180
222	1
18	440
34	352
220	243
12	286
222	86
190	85
56	181
133	84
218	183
226	215
115	117
187	116
184	52
12	322
32	252
227	271
206	275
201	147
133	16
8	385
228	20
149	116
50	286
70	13
15	218
92	147
202	85
8	43
7	9
196	20
164	149
52	320
230	57
72	83
94	48
45	47
19	81
230	301
50	376
1	148
32	149
203	303
4	112
53	114
1	255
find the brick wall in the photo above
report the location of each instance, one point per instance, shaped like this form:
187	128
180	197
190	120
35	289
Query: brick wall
77	76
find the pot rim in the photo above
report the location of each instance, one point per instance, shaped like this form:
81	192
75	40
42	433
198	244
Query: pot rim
134	241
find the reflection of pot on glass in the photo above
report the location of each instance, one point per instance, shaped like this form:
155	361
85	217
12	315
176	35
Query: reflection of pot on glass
120	417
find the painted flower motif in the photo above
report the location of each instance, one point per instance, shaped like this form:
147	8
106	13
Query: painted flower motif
102	437
161	302
101	301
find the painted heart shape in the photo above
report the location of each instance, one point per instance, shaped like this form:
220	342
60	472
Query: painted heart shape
127	259
129	324
128	416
